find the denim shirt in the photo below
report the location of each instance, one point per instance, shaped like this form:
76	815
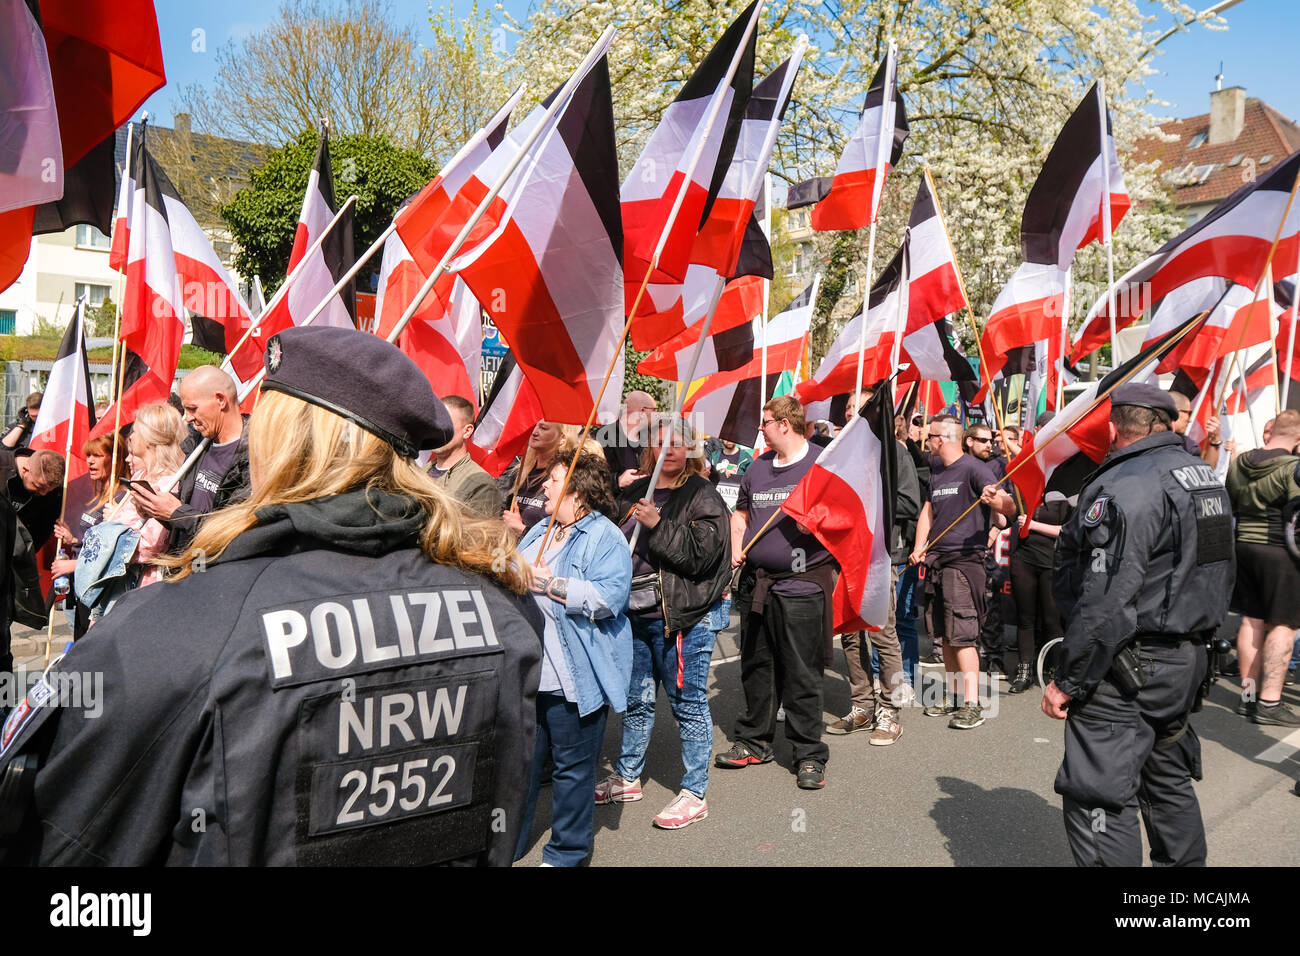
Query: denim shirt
594	629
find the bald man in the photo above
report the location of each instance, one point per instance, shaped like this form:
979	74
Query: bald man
623	447
220	477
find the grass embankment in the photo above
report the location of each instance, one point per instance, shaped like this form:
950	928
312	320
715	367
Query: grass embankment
19	348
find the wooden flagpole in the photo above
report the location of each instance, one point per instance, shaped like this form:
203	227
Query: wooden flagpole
1107	240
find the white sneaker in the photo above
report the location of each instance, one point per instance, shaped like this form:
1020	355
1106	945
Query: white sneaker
685	809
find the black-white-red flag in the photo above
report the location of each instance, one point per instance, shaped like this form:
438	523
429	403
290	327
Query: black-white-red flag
704	120
851	198
68	406
1064	212
319	274
1231	243
847	501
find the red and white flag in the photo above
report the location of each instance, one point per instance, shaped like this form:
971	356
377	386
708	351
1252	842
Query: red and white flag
1232	243
851	198
153	311
692	148
547	265
445	335
506	419
319	274
1082	429
1064	212
68	407
727	348
420	222
847	501
731	243
928	349
727	404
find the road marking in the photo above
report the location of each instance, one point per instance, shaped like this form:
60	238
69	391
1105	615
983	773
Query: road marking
723	660
1283	749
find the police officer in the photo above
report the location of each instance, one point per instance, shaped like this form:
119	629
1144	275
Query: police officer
342	672
1144	567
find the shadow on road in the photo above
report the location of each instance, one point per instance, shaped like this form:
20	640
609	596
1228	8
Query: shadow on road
1004	826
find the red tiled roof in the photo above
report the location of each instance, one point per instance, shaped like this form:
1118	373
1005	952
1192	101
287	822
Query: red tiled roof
1266	133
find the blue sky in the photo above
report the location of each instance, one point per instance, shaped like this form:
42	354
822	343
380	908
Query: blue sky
1260	51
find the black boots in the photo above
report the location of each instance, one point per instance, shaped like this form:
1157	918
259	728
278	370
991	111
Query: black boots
1024	679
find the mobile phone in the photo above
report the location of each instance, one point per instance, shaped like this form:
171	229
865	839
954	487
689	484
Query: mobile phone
129	482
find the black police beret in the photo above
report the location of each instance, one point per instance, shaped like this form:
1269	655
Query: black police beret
362	378
1145	396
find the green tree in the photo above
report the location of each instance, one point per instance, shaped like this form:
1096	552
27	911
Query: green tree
264	216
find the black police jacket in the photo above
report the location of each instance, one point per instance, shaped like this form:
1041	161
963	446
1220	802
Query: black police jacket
1148	551
690	547
321	694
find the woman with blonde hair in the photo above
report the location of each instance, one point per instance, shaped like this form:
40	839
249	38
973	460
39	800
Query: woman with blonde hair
342	670
153	453
525	502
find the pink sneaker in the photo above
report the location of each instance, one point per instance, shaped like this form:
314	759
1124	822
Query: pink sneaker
614	789
685	809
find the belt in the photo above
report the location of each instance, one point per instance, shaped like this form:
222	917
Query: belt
1160	637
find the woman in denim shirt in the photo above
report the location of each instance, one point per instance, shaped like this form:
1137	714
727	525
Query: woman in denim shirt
581	585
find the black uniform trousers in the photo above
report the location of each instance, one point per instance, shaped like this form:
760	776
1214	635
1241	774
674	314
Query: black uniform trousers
1123	755
782	655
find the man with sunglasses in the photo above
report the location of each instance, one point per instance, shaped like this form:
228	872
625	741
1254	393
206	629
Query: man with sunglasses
951	538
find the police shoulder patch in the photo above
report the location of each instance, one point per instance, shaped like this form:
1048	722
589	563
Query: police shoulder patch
1096	511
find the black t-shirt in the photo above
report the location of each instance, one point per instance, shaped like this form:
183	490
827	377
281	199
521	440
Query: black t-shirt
214	464
79	515
531	501
763	489
953	489
1039	549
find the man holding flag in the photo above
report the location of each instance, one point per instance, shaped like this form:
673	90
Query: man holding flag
1144	567
784	598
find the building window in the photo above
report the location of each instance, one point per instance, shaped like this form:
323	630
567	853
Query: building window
95	294
1198	140
8	321
89	237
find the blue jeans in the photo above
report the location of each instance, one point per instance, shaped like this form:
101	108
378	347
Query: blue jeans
905	625
654	662
573	742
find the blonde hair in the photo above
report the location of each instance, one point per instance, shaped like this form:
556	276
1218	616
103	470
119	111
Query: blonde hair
569	435
162	429
299	452
695	464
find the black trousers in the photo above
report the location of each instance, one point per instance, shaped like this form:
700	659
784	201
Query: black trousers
782	655
1125	755
1031	591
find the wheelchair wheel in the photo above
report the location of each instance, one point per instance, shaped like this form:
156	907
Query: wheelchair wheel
1049	659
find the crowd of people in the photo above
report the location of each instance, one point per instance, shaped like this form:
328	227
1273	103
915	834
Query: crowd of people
588	586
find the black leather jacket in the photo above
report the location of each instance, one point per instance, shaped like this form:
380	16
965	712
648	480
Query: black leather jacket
690	546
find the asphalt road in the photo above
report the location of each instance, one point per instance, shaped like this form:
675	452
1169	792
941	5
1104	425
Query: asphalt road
937	797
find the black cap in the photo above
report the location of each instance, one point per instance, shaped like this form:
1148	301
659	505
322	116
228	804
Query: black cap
362	378
1145	396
